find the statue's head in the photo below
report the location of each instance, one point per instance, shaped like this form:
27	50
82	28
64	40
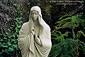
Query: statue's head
35	12
34	15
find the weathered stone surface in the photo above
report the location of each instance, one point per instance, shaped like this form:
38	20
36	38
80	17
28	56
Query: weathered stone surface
7	15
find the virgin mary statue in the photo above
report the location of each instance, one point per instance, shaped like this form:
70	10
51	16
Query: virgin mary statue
35	36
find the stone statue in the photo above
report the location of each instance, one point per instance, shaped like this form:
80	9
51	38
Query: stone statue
35	36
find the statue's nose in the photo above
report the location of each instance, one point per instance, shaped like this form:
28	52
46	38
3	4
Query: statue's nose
33	15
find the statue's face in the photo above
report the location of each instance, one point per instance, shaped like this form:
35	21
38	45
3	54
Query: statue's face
34	15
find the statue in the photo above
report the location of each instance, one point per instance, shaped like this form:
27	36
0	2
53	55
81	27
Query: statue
35	36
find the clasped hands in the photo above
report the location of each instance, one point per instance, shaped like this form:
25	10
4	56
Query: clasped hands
33	32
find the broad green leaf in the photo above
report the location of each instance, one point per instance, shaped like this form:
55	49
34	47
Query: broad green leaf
20	18
18	8
14	5
13	40
11	49
9	30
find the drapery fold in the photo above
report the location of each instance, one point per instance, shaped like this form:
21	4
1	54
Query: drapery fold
29	45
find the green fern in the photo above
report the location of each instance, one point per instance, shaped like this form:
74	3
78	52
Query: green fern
66	43
69	22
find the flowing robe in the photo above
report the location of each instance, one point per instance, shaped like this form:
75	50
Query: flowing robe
31	46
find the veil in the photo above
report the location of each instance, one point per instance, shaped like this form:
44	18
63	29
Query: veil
42	23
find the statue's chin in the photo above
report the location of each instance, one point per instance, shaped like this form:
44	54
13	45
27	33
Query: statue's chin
35	19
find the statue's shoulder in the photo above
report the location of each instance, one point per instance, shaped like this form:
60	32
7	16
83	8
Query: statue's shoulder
25	24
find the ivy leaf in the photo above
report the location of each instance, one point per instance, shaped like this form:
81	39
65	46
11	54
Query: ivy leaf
0	34
19	12
1	39
9	36
3	51
20	22
16	28
20	18
14	5
5	38
5	46
18	8
12	25
11	49
9	30
15	46
6	33
13	40
13	35
9	44
19	26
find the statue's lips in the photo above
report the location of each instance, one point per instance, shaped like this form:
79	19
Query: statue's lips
34	18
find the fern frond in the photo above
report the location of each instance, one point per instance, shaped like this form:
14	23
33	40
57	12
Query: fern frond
63	21
81	32
67	25
65	16
57	28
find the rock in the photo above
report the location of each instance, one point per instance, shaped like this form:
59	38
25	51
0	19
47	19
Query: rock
7	13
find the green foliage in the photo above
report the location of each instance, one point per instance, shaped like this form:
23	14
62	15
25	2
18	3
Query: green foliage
64	48
9	43
9	30
18	8
70	22
57	35
66	36
80	32
14	5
